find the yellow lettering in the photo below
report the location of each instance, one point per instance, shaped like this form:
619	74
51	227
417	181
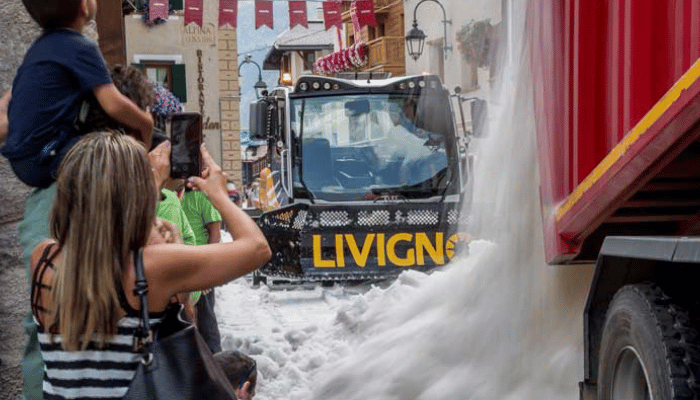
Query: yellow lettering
339	253
360	257
381	255
435	252
318	261
391	247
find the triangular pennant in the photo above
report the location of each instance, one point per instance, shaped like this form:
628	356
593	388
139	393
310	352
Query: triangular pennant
365	13
332	14
297	14
194	12
158	9
228	13
263	14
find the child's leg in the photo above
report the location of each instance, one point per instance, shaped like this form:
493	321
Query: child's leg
33	229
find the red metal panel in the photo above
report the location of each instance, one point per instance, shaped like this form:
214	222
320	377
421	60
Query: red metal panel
599	66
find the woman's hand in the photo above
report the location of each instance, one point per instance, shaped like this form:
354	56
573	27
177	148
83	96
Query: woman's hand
213	180
160	162
164	231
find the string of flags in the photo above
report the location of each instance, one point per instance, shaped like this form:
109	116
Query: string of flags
362	13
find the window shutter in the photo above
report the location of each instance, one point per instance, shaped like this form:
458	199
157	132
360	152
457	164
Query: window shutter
180	82
176	4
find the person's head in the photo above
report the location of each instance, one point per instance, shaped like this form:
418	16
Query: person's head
240	370
130	82
52	14
103	212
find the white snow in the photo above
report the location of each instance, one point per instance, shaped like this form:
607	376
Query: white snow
497	325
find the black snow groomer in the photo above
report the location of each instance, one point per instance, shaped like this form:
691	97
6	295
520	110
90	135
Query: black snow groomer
366	178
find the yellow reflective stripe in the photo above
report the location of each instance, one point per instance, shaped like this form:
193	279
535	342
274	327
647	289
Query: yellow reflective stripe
642	126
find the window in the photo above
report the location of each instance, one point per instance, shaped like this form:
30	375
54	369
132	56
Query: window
159	73
309	58
165	70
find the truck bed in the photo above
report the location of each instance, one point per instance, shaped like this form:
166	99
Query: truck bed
616	105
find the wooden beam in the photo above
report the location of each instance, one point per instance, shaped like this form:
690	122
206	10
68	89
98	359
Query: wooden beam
110	28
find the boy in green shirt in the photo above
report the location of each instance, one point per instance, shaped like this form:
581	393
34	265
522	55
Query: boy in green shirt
206	225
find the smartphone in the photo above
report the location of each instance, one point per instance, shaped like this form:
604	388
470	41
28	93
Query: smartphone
185	140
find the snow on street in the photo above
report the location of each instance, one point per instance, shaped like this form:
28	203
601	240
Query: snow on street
294	332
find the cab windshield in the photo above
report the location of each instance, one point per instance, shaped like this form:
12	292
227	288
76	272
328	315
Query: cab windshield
367	147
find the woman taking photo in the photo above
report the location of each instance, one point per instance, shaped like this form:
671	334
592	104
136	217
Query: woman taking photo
83	278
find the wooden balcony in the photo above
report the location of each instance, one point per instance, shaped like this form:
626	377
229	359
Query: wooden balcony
387	54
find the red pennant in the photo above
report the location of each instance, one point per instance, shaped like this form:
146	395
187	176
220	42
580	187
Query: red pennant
263	14
228	13
194	12
297	14
158	9
365	13
332	14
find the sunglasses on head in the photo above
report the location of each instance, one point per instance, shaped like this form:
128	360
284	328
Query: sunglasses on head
247	375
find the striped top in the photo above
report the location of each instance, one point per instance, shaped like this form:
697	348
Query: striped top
92	373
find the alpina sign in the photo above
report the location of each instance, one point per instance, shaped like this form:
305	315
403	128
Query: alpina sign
193	34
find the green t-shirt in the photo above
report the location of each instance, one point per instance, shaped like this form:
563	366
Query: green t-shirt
199	212
170	209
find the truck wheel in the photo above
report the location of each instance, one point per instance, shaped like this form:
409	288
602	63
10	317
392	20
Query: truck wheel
647	349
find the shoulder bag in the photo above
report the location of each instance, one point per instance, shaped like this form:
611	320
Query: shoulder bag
176	363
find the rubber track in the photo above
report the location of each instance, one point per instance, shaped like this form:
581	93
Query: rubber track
680	339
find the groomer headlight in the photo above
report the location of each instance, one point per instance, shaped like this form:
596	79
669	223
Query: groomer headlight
327	85
303	86
316	85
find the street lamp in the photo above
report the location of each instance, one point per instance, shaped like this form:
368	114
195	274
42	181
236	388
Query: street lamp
260	84
415	40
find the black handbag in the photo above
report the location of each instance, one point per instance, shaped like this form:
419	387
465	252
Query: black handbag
176	363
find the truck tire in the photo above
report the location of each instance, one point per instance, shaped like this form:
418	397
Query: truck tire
649	348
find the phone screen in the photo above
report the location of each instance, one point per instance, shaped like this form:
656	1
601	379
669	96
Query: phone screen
185	140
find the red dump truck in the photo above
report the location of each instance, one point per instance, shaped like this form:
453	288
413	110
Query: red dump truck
617	104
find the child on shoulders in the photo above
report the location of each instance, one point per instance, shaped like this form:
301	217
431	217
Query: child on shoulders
61	69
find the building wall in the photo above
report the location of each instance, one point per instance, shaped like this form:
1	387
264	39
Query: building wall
209	54
429	17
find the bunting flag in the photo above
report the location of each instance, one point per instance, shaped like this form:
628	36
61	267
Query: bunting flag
263	14
194	12
365	13
332	14
297	14
228	13
158	9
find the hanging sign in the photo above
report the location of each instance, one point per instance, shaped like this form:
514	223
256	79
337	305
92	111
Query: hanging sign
297	14
158	9
194	12
332	14
365	13
263	14
228	13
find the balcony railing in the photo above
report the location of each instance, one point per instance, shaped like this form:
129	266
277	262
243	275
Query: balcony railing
386	54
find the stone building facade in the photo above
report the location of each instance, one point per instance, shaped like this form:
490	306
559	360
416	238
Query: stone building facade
200	65
17	32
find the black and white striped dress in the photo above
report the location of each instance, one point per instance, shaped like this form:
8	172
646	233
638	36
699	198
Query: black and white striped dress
92	373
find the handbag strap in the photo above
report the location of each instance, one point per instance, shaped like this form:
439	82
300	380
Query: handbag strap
143	333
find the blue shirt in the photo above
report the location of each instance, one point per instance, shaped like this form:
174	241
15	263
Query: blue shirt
59	70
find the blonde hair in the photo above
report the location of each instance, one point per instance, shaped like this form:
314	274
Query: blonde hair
104	209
